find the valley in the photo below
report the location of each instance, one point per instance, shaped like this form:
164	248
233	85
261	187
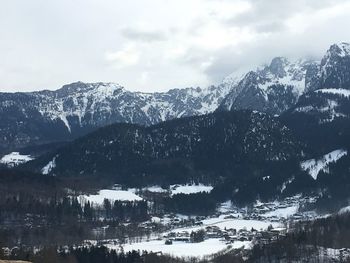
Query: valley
254	169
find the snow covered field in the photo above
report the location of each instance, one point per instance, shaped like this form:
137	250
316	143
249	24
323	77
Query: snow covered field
237	224
181	189
190	189
155	189
182	249
131	193
112	195
15	158
282	212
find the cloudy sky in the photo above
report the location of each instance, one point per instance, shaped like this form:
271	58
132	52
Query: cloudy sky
155	45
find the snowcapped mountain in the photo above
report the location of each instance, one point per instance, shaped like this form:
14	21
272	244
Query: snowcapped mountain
334	69
102	103
322	114
37	118
277	87
78	108
273	88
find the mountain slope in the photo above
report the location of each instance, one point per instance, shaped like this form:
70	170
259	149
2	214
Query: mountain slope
272	89
207	147
334	69
322	119
78	108
278	86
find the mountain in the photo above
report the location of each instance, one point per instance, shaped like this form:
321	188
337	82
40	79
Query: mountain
78	108
334	69
273	88
205	148
47	117
322	119
277	87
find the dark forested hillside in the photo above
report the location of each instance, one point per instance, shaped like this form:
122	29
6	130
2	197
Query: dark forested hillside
207	147
309	241
321	119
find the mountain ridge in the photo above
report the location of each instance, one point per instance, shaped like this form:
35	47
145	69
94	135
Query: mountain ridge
45	117
176	151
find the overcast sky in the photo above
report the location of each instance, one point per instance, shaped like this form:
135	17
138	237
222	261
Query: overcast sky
155	45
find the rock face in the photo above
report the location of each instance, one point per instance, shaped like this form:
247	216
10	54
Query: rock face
322	114
272	89
278	86
334	69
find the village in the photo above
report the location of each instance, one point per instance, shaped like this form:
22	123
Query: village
278	214
229	228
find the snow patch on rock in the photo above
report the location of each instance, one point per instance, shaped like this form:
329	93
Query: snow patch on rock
342	92
48	168
314	166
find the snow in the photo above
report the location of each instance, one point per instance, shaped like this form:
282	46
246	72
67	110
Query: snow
285	184
231	218
304	109
239	224
183	249
344	210
225	206
190	189
82	99
65	121
283	212
15	158
112	195
155	189
331	107
295	76
180	189
343	92
235	77
314	166
156	219
344	49
48	168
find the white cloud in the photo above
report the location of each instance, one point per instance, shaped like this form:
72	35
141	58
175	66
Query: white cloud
127	56
154	45
302	22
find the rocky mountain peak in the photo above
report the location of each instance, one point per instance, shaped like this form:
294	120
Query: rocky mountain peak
277	66
97	87
272	88
335	67
341	49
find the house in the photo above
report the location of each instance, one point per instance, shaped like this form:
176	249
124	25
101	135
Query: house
168	242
